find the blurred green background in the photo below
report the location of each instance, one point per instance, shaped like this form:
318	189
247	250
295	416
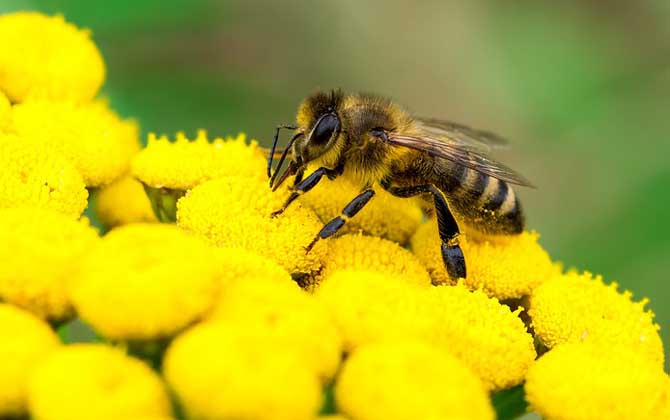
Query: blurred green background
582	87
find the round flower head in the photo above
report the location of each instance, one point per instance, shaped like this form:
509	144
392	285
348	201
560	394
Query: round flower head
592	381
579	307
32	176
359	252
385	216
26	340
409	380
239	264
145	281
504	267
236	211
48	56
123	201
282	312
92	381
97	142
490	339
39	251
228	372
184	163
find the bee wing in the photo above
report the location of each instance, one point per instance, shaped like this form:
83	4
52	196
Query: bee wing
462	134
465	155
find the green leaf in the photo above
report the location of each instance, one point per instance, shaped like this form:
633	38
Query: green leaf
328	406
510	403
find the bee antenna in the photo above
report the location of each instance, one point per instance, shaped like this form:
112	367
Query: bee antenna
274	145
282	158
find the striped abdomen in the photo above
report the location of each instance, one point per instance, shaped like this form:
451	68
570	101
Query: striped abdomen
486	203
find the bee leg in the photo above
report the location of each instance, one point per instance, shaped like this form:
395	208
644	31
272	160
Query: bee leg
274	144
452	255
304	186
349	211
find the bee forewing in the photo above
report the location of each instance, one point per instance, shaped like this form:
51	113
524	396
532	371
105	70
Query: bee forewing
461	154
462	134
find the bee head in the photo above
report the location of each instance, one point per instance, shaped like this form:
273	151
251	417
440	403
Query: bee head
321	124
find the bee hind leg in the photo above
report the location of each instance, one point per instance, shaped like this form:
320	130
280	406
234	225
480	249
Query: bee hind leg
349	211
452	254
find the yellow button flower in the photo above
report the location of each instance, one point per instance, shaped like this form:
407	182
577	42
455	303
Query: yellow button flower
579	307
39	251
48	56
369	307
222	372
97	142
592	382
279	310
92	381
123	201
409	380
359	252
235	211
504	267
385	216
33	176
184	163
145	281
26	340
238	263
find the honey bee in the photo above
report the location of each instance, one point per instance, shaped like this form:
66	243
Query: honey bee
375	143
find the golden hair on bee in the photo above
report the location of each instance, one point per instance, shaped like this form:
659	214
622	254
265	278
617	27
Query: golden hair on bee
375	143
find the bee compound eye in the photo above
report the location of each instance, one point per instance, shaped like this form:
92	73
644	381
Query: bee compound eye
324	129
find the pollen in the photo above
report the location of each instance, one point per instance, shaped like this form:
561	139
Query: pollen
503	267
183	164
26	341
384	216
39	253
488	337
235	211
407	380
220	372
32	176
44	55
90	135
123	201
94	381
578	307
129	286
292	319
588	380
360	252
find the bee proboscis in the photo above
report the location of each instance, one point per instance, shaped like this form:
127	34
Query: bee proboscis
377	144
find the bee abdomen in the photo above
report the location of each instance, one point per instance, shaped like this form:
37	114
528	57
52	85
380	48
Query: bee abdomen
488	204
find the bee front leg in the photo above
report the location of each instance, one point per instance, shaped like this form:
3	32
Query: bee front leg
349	211
452	255
304	186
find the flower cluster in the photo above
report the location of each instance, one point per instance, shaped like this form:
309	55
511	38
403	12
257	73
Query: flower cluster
220	312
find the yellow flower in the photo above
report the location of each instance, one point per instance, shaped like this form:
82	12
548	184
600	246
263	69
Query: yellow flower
235	211
123	201
280	311
97	142
145	281
220	372
48	56
32	176
185	163
369	307
409	380
39	251
592	381
504	267
359	252
386	216
26	340
5	108
579	307
92	381
238	263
